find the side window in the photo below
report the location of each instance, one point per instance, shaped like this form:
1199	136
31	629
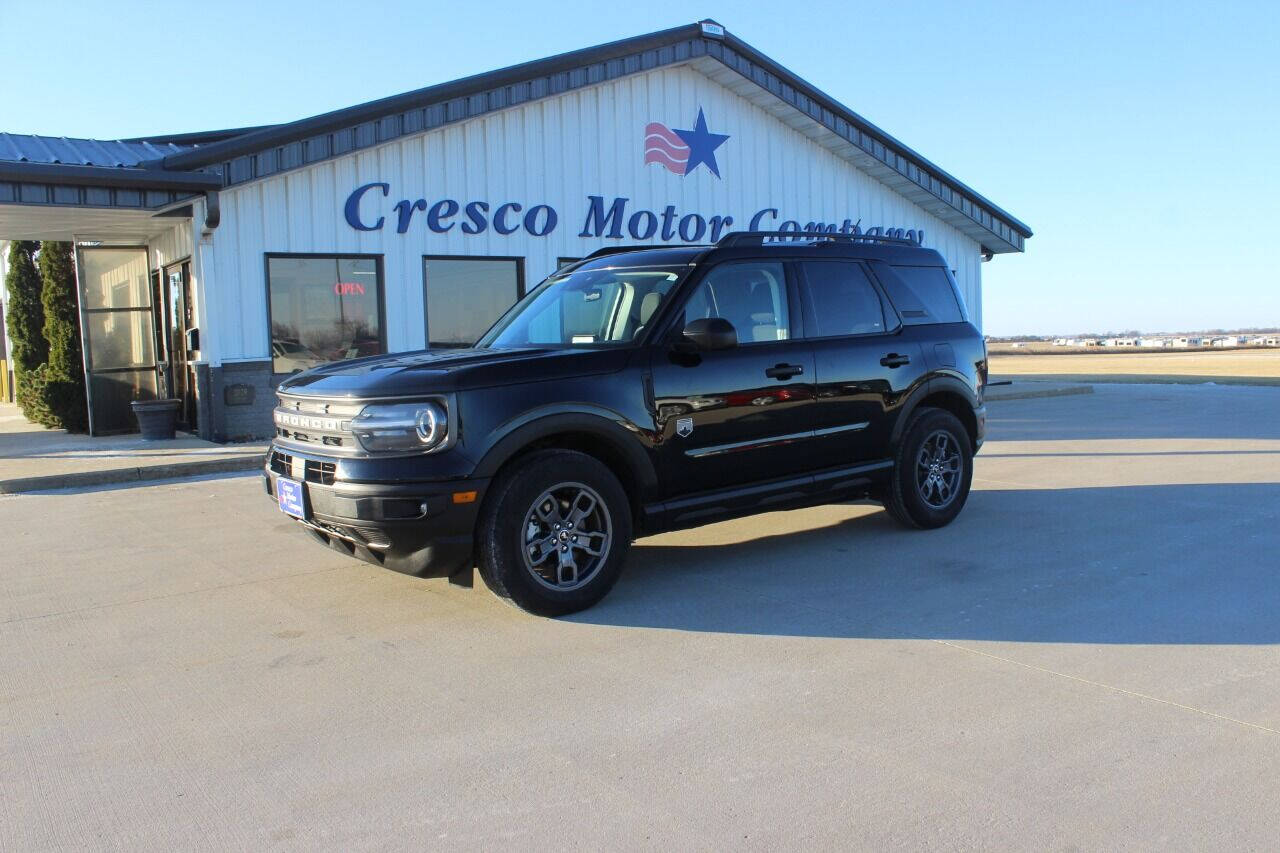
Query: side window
752	295
933	287
323	308
464	296
840	300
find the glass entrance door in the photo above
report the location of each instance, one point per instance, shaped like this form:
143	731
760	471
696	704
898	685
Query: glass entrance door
180	319
119	339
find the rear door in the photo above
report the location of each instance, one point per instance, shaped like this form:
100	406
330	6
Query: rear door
866	362
731	417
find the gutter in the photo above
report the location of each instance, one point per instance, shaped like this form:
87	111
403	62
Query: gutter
108	176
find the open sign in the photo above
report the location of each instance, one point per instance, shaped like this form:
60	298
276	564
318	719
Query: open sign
349	288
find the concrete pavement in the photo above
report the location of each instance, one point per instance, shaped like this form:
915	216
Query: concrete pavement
33	458
1088	658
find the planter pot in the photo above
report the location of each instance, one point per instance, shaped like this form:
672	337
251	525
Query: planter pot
156	418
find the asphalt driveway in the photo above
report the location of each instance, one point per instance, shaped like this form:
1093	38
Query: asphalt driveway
1089	657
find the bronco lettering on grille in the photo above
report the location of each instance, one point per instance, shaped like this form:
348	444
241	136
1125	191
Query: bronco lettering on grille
308	422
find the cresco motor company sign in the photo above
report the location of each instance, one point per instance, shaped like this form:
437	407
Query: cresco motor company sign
367	208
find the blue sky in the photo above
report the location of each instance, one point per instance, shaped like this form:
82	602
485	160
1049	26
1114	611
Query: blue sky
1139	140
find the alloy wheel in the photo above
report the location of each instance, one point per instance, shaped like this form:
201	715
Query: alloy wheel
567	534
938	469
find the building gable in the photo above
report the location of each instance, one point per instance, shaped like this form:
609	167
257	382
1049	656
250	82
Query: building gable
556	178
279	148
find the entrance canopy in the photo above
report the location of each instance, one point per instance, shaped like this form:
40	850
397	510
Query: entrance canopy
56	188
76	223
97	194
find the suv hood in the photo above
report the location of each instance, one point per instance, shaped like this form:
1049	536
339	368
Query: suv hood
436	371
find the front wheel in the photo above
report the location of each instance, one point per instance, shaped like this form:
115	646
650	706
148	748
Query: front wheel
932	472
554	532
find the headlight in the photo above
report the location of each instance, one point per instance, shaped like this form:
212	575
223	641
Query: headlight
401	427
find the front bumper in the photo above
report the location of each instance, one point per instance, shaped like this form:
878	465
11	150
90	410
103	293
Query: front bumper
418	528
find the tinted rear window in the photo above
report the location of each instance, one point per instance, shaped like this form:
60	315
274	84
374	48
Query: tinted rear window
933	287
841	300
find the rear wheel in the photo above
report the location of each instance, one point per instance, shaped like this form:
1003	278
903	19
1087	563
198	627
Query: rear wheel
933	471
554	532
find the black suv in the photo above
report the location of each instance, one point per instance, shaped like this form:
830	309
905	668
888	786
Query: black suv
637	391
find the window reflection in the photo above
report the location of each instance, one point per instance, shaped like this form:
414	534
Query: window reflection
323	309
466	295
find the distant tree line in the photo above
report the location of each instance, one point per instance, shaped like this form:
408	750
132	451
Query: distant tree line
1130	333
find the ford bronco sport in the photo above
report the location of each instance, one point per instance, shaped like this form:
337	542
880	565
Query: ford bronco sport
642	390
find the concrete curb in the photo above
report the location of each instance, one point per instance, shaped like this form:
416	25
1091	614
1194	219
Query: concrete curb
993	396
138	474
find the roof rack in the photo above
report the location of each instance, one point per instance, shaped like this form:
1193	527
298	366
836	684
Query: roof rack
617	250
739	238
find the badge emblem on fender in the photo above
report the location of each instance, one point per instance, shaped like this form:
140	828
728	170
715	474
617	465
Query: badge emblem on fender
684	426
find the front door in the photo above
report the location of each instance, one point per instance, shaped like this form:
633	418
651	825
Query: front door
180	319
116	320
734	416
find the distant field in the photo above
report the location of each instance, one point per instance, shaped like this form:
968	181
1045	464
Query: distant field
1261	365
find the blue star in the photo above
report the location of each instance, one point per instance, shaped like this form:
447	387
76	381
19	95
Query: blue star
702	145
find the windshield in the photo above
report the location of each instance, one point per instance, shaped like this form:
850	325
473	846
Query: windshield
586	307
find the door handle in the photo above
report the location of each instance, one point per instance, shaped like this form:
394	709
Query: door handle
783	371
895	360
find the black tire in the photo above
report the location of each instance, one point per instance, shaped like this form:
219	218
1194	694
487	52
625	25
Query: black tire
509	514
929	505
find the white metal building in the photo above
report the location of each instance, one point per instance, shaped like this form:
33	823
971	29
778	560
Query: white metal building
213	264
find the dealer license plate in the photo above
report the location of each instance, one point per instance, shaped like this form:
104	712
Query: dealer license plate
291	495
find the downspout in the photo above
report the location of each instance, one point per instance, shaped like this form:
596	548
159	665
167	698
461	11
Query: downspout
212	211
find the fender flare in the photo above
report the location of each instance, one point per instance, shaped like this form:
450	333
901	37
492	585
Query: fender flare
625	438
935	384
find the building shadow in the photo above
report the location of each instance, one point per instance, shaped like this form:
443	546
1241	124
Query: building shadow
1168	564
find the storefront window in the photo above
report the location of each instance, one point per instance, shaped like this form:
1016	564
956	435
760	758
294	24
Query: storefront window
323	309
465	296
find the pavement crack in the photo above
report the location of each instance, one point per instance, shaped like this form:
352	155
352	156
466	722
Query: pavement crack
1113	688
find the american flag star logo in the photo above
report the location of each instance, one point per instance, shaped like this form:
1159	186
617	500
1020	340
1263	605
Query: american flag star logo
682	151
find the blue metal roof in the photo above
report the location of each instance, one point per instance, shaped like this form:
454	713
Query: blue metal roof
28	148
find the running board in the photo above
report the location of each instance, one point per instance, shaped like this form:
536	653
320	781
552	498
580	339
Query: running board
791	493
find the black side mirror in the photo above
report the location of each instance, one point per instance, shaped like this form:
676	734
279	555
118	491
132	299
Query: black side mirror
711	333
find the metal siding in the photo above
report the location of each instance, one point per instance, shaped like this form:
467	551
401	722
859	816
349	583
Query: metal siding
172	245
557	151
202	268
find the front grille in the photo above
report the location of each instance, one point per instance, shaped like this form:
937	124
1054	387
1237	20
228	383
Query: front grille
312	470
322	424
